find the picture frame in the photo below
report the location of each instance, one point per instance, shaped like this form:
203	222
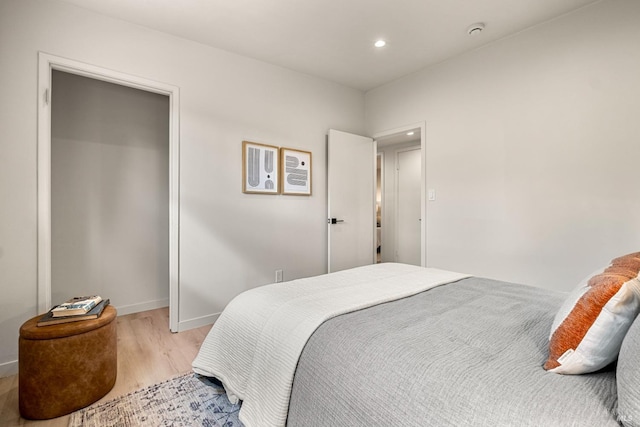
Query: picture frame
260	168
295	172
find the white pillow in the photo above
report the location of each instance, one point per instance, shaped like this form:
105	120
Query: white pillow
588	330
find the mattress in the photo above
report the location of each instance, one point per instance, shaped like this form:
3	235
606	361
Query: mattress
393	344
467	353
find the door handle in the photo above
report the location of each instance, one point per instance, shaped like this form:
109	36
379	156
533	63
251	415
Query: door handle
334	220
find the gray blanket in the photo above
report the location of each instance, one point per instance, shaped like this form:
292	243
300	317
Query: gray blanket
464	354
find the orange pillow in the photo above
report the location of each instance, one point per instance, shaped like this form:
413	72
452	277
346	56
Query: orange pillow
588	330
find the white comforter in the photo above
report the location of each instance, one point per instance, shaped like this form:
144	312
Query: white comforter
254	346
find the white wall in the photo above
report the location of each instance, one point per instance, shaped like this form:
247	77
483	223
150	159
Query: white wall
229	241
110	193
532	146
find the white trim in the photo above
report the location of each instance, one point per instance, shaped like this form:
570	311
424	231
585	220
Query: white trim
423	183
374	254
143	306
44	185
46	63
8	368
197	322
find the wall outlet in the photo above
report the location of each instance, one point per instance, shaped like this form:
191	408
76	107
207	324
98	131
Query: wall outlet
278	276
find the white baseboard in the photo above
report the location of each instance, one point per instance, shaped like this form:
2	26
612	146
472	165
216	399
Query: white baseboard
197	322
8	368
143	306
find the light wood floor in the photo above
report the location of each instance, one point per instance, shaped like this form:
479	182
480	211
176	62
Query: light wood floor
147	354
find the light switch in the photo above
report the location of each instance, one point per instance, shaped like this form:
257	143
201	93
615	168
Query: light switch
431	194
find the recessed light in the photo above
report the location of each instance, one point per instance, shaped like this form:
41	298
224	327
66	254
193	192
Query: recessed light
380	43
410	133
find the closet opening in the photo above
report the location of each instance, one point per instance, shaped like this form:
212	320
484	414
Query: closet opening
109	193
107	131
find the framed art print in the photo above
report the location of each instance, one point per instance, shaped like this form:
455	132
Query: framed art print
259	168
296	172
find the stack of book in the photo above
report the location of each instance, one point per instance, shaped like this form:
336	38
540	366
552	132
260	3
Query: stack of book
74	310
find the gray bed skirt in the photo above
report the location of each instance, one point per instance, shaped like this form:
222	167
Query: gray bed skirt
465	354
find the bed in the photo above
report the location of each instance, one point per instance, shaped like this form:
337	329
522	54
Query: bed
393	344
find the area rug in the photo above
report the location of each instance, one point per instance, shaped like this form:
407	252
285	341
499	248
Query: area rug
187	400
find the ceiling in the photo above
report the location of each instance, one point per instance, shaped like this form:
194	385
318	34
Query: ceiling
409	135
333	39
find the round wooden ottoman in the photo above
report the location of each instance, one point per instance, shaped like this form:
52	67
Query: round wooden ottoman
65	367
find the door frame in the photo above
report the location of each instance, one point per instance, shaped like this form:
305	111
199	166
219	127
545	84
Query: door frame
423	179
47	63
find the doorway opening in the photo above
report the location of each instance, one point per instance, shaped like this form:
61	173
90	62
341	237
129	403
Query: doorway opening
109	193
400	198
47	65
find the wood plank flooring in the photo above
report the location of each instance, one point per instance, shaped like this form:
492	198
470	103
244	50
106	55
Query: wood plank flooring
147	354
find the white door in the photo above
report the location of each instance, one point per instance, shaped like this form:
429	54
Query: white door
409	165
351	171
